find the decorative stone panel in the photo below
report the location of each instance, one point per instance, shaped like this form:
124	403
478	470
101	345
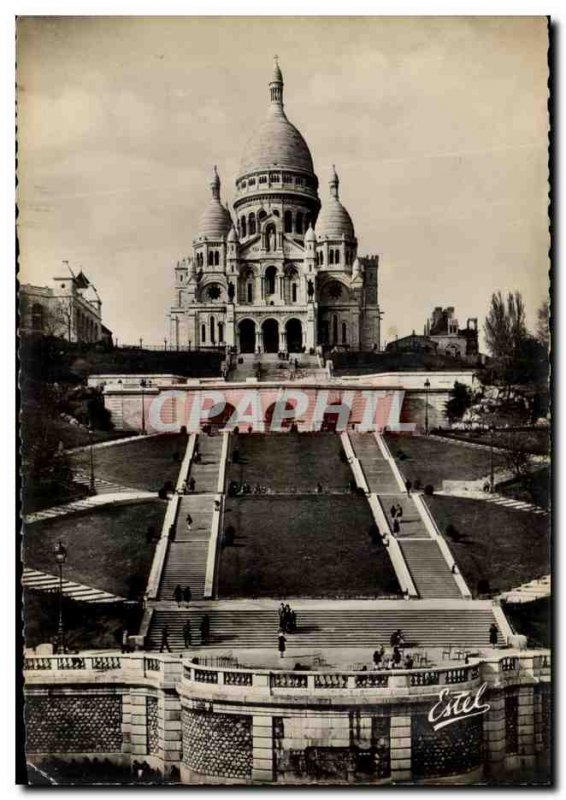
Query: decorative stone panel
73	723
219	745
152	725
453	750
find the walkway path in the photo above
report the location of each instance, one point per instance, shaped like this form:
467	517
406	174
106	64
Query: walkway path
102	487
424	558
498	499
91	503
44	582
534	590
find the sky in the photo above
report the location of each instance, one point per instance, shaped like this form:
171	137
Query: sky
438	128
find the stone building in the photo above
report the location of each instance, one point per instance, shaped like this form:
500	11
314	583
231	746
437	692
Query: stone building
444	329
279	273
70	309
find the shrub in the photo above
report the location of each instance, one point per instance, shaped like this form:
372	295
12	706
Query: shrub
429	489
417	484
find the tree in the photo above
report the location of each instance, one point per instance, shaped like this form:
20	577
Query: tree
543	325
459	402
505	326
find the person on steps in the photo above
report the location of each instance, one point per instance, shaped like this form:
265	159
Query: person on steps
281	643
187	634
493	633
178	594
189	521
165	639
205	630
192	484
187	595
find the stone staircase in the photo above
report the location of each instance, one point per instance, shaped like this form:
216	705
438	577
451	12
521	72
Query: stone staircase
377	471
329	628
187	553
44	582
102	487
429	569
410	524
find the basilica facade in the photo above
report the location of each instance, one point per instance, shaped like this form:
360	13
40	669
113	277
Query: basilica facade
281	271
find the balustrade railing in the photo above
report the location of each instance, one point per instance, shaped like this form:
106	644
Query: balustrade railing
508	664
287	680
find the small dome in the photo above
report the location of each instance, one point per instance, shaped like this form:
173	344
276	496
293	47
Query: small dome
333	220
232	236
215	222
310	235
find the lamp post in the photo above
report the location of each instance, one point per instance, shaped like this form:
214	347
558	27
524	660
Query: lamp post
60	558
427	387
143	384
491	469
91	487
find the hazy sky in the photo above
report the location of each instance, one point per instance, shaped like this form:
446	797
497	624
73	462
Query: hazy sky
438	129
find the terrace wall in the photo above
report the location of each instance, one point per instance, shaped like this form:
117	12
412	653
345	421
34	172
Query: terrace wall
219	724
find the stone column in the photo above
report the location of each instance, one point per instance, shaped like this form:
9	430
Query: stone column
262	742
282	340
169	725
258	339
400	748
134	723
526	726
494	734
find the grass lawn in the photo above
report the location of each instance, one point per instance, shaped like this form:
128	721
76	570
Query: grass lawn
290	461
503	546
533	620
304	546
87	626
433	461
77	436
536	441
141	464
106	548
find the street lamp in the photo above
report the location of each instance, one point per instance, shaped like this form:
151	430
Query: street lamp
92	487
427	387
60	558
491	468
143	384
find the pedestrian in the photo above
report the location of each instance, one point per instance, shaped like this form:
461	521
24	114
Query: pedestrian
125	643
187	633
217	505
378	656
172	532
165	639
178	594
287	618
204	629
396	527
197	458
187	595
493	633
399	511
250	429
293	622
396	659
281	643
319	488
394	639
192	484
408	486
189	521
409	662
282	616
393	511
184	487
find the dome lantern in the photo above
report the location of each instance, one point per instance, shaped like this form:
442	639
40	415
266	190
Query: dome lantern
334	222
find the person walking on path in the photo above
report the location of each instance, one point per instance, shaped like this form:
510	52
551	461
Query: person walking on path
408	486
178	594
125	643
187	595
282	616
192	484
189	520
493	633
281	643
393	511
396	527
399	511
187	633
165	639
184	487
205	629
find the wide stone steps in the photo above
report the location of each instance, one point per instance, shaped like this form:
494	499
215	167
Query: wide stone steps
378	473
327	628
429	570
206	473
411	524
185	564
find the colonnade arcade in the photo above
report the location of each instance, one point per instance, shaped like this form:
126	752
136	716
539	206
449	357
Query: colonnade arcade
271	336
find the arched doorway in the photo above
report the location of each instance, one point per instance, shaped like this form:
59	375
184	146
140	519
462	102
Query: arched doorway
294	331
270	330
247	336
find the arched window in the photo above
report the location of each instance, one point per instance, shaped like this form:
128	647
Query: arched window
243	227
251	224
216	258
331	256
344	333
270	276
210	258
299	222
203	333
334	329
220	332
212	331
288	222
321	255
294	292
180	298
337	256
250	290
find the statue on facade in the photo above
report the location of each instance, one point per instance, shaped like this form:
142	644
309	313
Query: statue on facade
310	289
231	292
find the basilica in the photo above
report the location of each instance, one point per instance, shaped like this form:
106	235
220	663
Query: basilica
280	272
